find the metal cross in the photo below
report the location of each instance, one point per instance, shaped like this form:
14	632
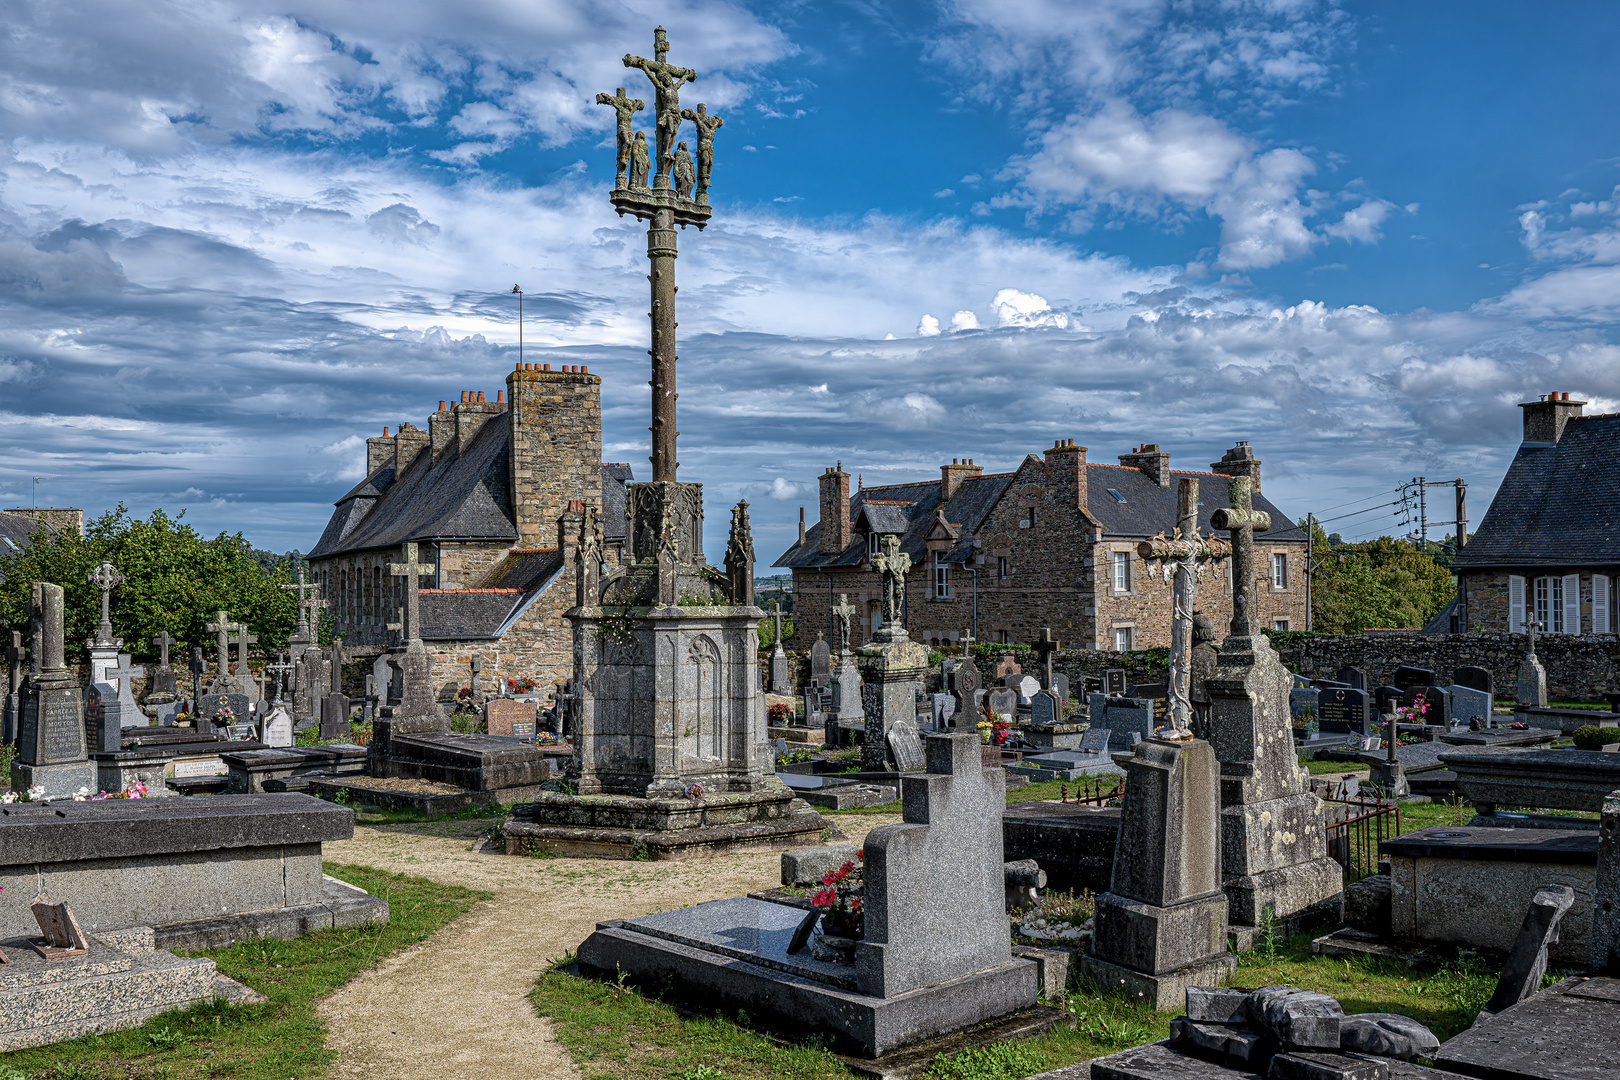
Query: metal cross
845	612
106	578
243	640
1240	519
1182	558
412	571
278	672
1046	645
163	641
221	628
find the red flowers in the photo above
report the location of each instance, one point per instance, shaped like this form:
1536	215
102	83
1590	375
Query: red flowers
839	900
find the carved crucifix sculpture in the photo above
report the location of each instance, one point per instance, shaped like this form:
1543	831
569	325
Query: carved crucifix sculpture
1240	519
1182	558
106	578
706	123
893	564
625	108
243	640
304	590
845	611
667	80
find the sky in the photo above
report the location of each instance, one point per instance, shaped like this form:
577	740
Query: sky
238	238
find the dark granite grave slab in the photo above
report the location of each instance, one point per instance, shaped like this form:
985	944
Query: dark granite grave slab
1548	779
1157	1061
748	930
1566	1032
1570	847
473	762
1500	737
1073	844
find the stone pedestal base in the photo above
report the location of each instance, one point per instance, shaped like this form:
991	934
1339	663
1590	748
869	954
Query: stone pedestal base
1274	858
1286	891
1390	779
1162	992
891	671
117	771
1155	939
60	781
625	827
1056	736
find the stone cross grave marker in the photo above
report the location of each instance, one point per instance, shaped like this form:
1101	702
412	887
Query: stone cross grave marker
163	678
335	705
244	674
1182	558
123	677
418	710
276	675
1046	647
907	747
1532	683
820	660
967	686
893	564
1342	710
301	634
106	578
1241	521
844	615
413	572
221	628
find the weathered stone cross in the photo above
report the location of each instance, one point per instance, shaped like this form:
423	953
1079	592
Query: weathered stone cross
1183	558
106	578
845	612
412	571
14	657
243	640
163	641
778	627
1241	519
303	589
221	628
123	676
1047	645
398	625
967	640
277	673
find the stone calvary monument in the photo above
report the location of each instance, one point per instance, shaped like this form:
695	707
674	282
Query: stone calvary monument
670	751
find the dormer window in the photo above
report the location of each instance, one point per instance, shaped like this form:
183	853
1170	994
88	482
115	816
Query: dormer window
942	578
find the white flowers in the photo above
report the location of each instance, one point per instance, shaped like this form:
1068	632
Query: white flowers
1036	926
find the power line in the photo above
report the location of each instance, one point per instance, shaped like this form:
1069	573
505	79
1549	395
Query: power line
1347	502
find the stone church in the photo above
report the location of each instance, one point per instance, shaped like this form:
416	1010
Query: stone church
493	492
1050	544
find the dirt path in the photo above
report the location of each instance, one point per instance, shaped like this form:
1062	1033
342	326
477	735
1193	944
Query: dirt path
455	1007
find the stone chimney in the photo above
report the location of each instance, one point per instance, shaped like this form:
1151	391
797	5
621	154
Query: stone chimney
442	428
952	475
556	454
472	414
1066	472
1544	420
1151	460
379	451
801	525
409	441
835	534
1239	461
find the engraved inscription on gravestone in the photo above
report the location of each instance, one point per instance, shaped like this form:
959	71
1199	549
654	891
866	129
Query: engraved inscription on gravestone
1342	709
63	735
1114	681
1095	740
1043	709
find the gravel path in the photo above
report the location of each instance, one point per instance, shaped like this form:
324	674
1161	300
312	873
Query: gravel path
455	1007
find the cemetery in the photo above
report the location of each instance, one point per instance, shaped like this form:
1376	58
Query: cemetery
652	847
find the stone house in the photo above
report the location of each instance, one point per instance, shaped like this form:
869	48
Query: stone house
1549	546
493	492
1052	543
21	526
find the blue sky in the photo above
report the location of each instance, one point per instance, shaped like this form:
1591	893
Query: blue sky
236	239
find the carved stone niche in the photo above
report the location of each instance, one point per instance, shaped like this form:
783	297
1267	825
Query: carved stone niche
666	516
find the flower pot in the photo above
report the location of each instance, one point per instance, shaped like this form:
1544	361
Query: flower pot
833	949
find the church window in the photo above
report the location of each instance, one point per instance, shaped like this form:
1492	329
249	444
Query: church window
1001	567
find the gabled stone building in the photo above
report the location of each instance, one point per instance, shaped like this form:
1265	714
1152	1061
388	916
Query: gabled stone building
1052	543
494	493
1549	546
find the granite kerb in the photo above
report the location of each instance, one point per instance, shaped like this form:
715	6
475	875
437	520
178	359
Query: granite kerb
628	811
1555	779
1566	847
35	833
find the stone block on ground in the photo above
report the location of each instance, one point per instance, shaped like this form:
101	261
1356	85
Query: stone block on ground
807	866
1299	1018
1527	961
1387	1035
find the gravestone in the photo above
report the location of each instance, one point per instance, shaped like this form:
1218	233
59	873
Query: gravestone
1352	676
907	747
820	661
967	690
1527	961
163	681
1532	682
1303	705
1475	678
781	672
213	707
390	683
1406	676
278	728
1095	740
846	687
501	713
123	677
1161	926
1060	686
1044	708
1114	682
1026	686
1158	696
1007	666
1129	719
335	705
1342	711
1003	701
944	708
1469	705
15	654
103	730
1385	698
51	750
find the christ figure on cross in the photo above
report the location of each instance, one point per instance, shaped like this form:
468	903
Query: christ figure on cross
626	108
666	79
1183	557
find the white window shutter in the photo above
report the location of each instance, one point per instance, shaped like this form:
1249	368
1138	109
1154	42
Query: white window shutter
1572	603
1600	604
1515	604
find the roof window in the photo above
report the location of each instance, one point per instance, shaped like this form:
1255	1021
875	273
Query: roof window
1117	496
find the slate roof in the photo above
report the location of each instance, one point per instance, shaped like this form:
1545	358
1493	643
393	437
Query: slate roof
17	531
458	614
1558	505
524	569
1146	510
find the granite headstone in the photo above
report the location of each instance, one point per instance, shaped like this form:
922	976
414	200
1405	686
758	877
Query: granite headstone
1341	711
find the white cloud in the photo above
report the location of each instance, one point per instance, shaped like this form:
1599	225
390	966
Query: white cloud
928	326
1014	308
964	320
783	489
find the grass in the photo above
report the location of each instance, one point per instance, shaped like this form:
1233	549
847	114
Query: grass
616	1032
280	1040
1326	768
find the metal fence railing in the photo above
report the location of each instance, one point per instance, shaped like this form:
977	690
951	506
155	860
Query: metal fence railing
1093	791
1355	828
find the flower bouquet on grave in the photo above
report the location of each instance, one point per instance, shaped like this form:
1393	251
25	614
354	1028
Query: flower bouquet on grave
842	920
985	730
1001	730
520	685
780	715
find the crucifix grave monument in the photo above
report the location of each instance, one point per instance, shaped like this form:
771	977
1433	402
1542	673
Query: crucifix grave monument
1273	844
104	647
670	731
781	671
892	666
14	658
244	673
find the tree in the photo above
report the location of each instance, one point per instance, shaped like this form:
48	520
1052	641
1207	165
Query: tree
1380	583
174	580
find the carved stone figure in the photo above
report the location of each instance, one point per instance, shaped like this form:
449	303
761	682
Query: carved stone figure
667	80
640	163
893	564
706	126
684	175
626	107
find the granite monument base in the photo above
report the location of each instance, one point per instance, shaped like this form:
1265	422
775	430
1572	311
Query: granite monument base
732	954
470	762
624	827
1055	736
117	771
107	989
59	781
252	772
1161	992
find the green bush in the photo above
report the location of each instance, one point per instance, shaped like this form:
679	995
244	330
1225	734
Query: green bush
1592	737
